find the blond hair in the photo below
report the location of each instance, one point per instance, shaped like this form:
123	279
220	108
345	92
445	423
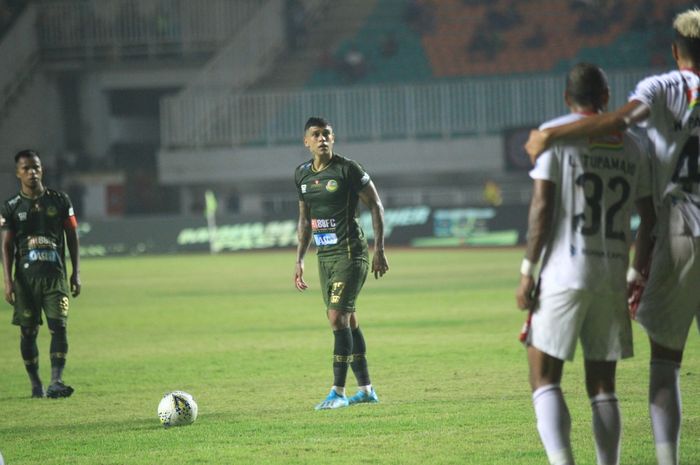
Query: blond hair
687	24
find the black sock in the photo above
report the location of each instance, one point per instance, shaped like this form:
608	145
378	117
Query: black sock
342	354
359	360
30	352
59	349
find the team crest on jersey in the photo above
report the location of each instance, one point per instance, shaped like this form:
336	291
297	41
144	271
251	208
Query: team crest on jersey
303	188
51	211
22	216
332	185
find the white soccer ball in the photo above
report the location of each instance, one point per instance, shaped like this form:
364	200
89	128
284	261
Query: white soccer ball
177	408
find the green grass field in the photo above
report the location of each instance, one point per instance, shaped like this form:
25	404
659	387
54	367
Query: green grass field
441	329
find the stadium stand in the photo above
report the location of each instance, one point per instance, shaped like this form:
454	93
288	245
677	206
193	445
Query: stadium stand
458	38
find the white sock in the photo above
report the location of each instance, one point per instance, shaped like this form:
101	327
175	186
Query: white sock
553	424
367	389
607	428
340	390
665	409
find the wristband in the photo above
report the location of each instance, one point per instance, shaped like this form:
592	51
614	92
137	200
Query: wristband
527	268
633	275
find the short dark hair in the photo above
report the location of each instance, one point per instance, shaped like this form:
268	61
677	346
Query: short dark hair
316	121
688	47
586	85
26	153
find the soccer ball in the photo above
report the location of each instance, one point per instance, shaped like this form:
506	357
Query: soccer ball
177	408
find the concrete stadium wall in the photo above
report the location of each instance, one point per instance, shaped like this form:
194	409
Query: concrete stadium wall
401	157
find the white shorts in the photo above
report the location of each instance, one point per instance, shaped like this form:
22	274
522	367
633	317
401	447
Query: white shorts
600	320
671	298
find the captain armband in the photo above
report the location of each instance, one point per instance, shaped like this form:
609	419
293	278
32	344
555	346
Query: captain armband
527	268
71	222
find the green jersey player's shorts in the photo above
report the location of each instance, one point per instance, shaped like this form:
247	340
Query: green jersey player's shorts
34	294
341	281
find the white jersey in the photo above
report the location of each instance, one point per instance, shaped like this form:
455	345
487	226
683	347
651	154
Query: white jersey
597	183
674	130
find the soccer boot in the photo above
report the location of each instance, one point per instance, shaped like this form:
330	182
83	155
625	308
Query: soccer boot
38	392
362	397
334	400
58	390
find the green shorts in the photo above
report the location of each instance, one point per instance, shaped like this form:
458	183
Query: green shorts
34	294
341	282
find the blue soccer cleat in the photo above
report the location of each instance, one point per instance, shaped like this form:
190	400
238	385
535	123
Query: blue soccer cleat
363	397
334	400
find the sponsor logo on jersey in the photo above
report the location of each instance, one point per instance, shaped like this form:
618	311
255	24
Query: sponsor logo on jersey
51	211
40	242
43	255
303	188
325	239
22	216
332	185
321	223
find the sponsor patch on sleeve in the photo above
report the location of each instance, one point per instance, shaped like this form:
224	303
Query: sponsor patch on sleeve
2	221
365	179
71	212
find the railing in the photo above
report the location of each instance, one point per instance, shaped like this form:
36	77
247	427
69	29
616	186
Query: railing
219	117
98	29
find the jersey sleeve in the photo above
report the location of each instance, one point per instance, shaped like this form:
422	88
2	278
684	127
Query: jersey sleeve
547	166
68	213
6	223
358	177
297	184
647	92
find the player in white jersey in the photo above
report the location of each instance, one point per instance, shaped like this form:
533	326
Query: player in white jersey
666	105
579	225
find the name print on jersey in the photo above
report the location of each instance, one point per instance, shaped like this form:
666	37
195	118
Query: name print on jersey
605	162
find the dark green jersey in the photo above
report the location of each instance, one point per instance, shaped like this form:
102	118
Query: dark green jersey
38	229
332	195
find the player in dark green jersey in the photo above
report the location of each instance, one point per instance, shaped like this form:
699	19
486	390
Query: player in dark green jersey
329	188
37	225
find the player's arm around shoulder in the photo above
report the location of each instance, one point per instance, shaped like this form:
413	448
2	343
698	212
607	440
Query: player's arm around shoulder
601	124
370	198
